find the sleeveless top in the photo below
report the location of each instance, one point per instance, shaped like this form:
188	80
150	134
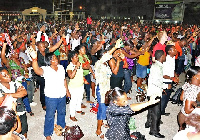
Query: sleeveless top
129	60
120	72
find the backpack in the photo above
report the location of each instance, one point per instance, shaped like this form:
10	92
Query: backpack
176	97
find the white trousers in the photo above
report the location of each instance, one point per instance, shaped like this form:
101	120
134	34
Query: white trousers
76	99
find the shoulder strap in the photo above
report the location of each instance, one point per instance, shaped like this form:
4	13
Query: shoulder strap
15	87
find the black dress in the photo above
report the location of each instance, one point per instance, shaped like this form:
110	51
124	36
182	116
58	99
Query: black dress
118	119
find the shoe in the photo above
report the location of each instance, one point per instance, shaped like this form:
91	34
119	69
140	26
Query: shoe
73	119
33	104
158	135
44	108
48	138
101	136
83	106
90	102
31	113
81	112
166	114
147	125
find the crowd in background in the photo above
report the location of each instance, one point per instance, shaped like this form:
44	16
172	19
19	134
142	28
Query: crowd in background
99	56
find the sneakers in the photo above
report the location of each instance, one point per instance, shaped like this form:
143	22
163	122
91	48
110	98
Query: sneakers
33	104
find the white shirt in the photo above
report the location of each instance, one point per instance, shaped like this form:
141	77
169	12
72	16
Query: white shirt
54	82
155	81
74	43
39	36
12	88
168	69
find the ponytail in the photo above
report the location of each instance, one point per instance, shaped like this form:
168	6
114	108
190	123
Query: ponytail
113	95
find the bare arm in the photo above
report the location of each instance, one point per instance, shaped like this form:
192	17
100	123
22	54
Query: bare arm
67	90
139	106
114	66
36	68
133	55
3	54
72	73
188	106
21	92
56	46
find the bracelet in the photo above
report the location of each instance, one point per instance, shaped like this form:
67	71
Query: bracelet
102	42
34	59
124	59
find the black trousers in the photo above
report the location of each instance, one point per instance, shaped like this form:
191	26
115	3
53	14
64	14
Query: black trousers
153	117
41	82
116	82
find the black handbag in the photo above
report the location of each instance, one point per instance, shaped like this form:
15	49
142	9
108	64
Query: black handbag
73	133
68	100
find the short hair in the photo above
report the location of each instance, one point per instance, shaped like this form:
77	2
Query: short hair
71	55
167	48
18	44
159	54
48	57
129	43
7	120
2	68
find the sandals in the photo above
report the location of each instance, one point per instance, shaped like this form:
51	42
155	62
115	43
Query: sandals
81	112
73	119
101	136
31	113
83	106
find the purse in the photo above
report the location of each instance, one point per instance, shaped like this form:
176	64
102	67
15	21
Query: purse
73	133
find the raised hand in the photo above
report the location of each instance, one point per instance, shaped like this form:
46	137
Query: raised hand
153	100
118	43
32	53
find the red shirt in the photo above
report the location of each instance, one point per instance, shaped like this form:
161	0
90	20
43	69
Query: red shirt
158	46
179	49
89	20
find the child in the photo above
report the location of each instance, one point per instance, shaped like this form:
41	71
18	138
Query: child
155	88
118	113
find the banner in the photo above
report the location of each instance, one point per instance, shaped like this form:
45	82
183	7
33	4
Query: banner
169	11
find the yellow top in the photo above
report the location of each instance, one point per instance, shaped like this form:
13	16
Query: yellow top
77	81
144	59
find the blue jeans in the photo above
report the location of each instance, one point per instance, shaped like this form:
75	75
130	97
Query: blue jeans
87	86
127	80
101	114
25	99
179	66
53	104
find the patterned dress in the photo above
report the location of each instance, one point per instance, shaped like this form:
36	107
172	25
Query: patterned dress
118	119
16	70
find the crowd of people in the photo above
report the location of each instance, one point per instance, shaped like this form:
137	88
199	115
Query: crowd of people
64	60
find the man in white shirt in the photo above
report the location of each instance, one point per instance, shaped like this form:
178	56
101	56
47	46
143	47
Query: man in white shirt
168	76
155	88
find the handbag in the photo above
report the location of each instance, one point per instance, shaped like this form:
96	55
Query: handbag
73	133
